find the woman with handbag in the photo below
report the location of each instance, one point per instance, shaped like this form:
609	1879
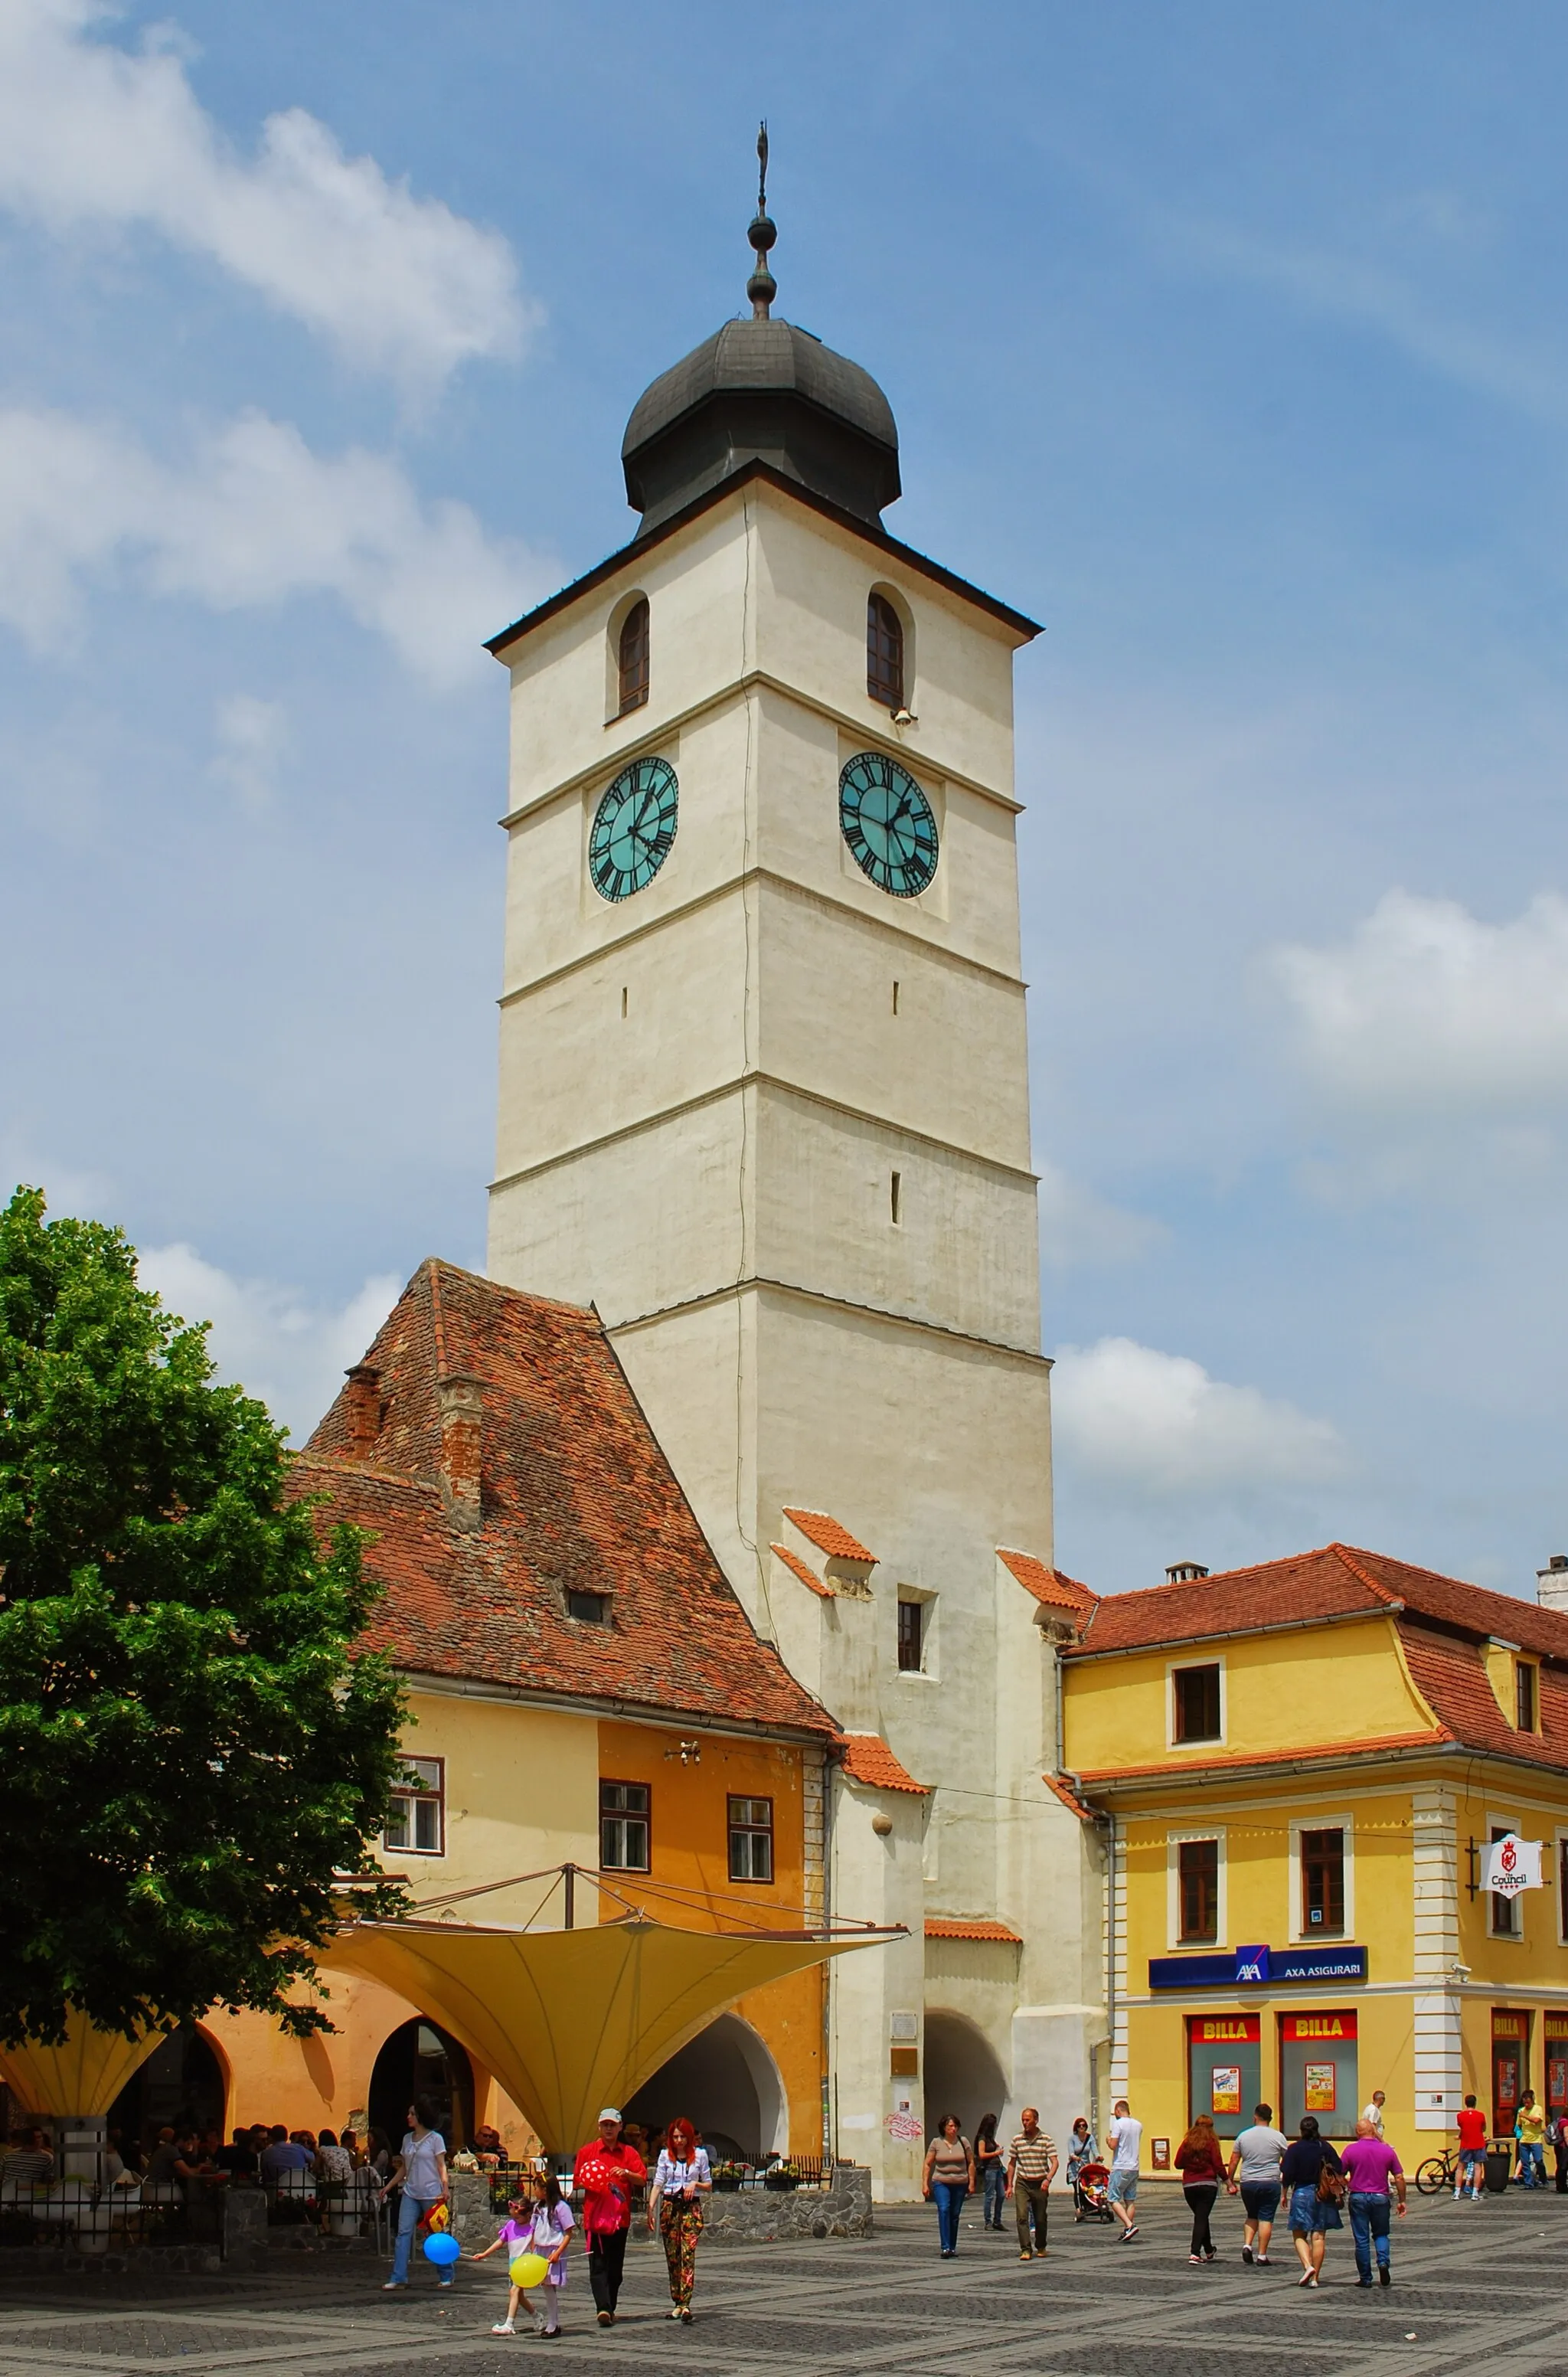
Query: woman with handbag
1312	2178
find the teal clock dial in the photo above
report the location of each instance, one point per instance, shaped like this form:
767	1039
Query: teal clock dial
634	828
888	824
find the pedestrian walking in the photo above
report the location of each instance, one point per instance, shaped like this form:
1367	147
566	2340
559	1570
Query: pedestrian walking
990	2163
420	2170
1201	2165
1529	2129
1125	2136
539	2221
1373	2113
1311	2176
1369	2163
1253	2172
1081	2149
1031	2167
1472	2153
680	2179
948	2177
1557	2138
616	2170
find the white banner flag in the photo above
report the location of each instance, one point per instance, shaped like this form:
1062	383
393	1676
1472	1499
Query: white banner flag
1512	1865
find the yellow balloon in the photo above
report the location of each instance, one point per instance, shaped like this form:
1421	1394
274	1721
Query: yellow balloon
529	2270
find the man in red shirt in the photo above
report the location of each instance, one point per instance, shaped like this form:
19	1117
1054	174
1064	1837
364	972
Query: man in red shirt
1472	2153
607	2207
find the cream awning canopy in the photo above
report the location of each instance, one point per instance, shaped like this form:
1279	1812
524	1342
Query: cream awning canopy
83	2075
568	2021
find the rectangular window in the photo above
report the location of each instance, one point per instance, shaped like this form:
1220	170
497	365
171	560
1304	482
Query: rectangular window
1524	1695
416	1818
1197	1703
623	1827
1323	1880
1507	1915
1563	1890
592	1608
751	1840
1197	1891
912	1627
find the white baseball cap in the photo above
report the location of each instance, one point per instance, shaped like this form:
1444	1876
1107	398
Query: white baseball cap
610	2114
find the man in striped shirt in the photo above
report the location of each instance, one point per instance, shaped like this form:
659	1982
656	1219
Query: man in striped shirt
1031	2167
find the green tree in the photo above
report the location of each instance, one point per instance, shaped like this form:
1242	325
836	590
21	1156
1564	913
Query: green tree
192	1745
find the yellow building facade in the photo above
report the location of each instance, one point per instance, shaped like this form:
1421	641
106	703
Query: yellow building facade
1297	1772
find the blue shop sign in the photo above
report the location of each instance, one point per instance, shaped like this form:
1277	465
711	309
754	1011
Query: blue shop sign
1257	1968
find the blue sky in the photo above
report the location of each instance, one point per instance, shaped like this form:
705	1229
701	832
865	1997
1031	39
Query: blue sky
1230	343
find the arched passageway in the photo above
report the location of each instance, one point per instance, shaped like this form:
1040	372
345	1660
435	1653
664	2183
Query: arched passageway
962	2073
726	2082
181	2082
421	2059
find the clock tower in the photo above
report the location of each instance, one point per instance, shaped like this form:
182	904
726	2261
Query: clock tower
764	1103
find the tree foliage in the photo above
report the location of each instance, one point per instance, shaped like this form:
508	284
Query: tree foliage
191	1745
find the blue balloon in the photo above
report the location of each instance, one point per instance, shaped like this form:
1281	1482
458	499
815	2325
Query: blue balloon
441	2247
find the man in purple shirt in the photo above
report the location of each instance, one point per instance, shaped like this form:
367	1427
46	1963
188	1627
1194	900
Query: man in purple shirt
1369	2166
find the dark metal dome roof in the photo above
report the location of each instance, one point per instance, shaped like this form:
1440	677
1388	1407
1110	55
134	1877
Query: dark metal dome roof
761	391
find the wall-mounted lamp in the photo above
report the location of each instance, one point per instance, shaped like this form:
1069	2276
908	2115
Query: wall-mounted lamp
688	1752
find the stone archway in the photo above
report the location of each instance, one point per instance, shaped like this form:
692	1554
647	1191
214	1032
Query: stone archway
422	2059
962	2073
726	2082
182	2079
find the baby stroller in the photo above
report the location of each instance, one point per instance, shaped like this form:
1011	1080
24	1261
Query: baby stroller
1091	2192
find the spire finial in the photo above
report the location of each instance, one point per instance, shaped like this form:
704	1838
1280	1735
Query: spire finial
762	288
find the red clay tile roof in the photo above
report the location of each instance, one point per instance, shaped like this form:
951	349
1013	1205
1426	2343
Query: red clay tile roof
964	1927
867	1758
1093	1777
1452	1676
1334	1582
1048	1584
830	1538
1069	1799
797	1566
576	1493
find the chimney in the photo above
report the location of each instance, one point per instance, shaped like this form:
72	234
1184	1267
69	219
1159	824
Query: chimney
462	1441
1551	1583
1185	1572
365	1410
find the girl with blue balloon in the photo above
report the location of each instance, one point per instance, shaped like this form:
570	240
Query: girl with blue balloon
534	2236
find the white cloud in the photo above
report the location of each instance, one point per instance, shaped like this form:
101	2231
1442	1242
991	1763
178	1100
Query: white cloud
1077	1226
253	737
1157	1425
252	518
1425	1010
92	136
269	1339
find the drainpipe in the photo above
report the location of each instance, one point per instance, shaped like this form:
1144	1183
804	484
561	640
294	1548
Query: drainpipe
1110	1823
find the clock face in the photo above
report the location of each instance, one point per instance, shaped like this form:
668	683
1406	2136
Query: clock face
634	828
888	824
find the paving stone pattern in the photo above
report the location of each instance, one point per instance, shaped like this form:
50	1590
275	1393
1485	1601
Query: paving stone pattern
1482	2287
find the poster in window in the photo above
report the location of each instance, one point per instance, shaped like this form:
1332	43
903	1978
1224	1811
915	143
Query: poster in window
1225	2087
1319	2087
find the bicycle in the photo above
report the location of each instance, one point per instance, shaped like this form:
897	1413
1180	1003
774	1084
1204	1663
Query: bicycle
1439	2172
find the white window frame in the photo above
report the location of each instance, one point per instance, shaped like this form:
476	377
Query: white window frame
1217	1741
1299	1934
1495	1826
436	1794
1174	1941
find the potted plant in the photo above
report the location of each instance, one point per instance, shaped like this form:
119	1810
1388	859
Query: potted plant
781	2177
727	2177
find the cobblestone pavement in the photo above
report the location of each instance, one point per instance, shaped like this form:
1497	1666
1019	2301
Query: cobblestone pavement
1483	2288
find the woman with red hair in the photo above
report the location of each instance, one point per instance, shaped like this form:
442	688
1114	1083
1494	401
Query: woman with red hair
680	2179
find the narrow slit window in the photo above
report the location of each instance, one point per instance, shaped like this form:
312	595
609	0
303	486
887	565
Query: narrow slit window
634	657
885	653
895	998
911	1637
1524	1696
623	999
896	1196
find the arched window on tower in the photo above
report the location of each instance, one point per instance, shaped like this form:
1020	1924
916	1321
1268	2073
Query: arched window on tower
885	653
634	657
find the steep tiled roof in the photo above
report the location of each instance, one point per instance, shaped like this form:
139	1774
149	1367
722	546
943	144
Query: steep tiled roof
575	1494
797	1566
969	1926
1048	1584
1451	1676
867	1758
1070	1800
1334	1582
830	1538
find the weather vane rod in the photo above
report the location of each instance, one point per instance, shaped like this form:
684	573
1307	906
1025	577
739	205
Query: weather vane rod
762	288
